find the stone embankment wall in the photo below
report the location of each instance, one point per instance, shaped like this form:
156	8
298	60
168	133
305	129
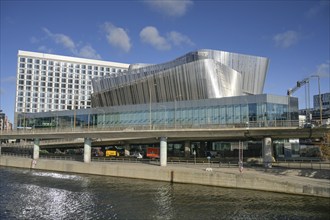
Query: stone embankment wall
179	174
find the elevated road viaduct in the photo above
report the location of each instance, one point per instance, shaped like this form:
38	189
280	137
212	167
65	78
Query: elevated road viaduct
96	137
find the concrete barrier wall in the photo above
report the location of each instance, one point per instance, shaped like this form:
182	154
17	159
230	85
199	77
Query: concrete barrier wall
174	174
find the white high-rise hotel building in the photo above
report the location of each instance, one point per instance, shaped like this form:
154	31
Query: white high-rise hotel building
47	82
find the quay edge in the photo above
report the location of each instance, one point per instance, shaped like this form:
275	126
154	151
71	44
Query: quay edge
176	174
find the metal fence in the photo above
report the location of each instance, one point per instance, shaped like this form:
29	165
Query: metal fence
302	164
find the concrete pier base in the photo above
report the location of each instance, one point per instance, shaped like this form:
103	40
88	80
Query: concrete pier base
163	151
87	150
36	149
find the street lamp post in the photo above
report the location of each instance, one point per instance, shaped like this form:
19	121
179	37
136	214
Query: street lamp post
103	120
164	106
320	99
179	96
150	106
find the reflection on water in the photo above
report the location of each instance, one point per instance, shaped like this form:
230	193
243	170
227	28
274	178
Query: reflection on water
26	194
163	202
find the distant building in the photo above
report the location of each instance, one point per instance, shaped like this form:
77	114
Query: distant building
314	113
5	124
325	98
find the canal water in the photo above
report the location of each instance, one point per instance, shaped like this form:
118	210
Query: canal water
32	194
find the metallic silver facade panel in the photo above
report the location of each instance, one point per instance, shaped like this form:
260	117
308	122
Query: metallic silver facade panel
202	74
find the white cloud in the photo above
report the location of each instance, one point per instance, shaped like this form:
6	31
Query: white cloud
43	48
318	8
9	79
34	40
286	39
173	8
86	51
117	37
178	39
323	70
151	36
89	52
61	39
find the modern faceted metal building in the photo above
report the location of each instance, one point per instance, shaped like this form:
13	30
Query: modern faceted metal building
202	88
202	74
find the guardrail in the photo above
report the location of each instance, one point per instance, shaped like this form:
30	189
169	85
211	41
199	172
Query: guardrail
17	155
303	164
62	157
261	124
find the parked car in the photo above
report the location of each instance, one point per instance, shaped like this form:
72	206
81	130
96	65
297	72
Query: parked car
309	125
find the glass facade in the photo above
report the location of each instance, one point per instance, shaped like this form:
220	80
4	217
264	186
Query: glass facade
241	111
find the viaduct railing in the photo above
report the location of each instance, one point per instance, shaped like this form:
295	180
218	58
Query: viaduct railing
262	124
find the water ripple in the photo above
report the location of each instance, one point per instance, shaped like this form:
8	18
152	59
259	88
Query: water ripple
28	194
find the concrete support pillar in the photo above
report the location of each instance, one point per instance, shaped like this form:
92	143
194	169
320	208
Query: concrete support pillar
127	148
163	151
36	149
87	150
267	152
187	149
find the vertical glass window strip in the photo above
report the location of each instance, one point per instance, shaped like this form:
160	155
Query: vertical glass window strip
237	114
244	113
230	118
223	115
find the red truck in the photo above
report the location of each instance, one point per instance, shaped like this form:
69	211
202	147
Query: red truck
152	152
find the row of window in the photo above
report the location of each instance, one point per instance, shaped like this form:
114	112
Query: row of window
64	97
53	101
45	108
63	70
57	90
56	74
29	85
57	83
37	62
50	78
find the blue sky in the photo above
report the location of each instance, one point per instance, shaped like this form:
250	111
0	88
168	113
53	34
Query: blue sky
294	35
